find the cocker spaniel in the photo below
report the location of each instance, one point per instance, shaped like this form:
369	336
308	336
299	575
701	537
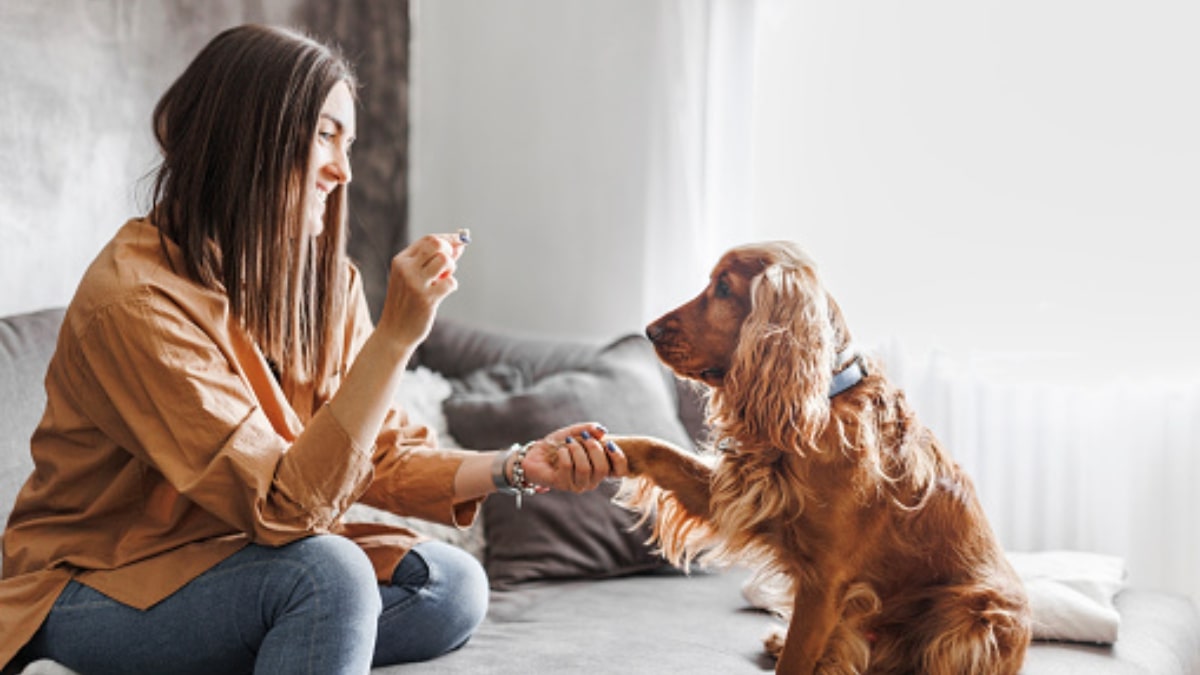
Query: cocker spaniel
822	479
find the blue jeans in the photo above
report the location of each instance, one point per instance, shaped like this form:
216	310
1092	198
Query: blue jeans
312	606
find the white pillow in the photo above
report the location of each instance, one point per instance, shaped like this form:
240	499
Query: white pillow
421	394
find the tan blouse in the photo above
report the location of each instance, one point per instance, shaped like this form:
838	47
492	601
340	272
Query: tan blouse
167	445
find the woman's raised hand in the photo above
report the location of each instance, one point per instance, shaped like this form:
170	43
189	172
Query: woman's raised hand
421	276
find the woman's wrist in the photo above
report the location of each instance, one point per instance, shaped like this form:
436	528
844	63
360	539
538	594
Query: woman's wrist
502	464
396	347
508	472
510	462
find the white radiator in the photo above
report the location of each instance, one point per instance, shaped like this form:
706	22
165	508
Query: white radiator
1109	468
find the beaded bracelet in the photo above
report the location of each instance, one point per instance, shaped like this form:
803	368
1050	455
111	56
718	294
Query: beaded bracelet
519	485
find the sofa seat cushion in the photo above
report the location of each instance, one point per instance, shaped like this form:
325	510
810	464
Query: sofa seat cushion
670	623
661	622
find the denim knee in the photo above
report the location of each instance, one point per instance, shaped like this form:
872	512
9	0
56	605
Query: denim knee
326	618
465	587
428	614
338	571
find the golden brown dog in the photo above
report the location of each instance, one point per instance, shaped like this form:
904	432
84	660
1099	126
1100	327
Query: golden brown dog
824	480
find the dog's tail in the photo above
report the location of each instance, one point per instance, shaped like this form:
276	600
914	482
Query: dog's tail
965	628
984	631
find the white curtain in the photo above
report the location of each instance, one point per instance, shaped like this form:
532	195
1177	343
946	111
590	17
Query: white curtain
1001	196
699	186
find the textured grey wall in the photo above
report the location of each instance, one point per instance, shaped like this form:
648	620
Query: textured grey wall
79	81
374	35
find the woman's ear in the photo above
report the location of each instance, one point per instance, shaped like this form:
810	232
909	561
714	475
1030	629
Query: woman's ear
779	379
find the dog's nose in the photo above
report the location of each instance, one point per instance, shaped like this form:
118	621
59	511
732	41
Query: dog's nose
654	332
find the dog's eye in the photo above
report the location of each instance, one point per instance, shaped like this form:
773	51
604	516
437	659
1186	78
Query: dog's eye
722	289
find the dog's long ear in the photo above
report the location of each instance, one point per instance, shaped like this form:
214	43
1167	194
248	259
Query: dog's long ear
779	379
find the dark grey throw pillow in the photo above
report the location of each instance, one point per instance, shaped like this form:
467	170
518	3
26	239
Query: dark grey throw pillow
562	535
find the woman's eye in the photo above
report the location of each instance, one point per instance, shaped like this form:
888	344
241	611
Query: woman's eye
325	135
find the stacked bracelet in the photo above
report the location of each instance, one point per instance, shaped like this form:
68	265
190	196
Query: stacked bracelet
519	485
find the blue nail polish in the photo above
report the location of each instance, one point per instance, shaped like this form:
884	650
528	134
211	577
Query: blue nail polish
612	447
601	428
586	436
570	439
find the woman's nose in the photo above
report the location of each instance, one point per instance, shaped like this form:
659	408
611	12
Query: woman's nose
341	166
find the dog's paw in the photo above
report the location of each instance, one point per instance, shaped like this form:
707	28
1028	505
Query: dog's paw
641	452
774	640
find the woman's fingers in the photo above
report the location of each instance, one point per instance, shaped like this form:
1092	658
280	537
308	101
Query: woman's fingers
437	255
422	275
618	463
585	459
598	468
581	465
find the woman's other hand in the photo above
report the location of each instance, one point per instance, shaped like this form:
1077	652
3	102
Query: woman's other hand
575	458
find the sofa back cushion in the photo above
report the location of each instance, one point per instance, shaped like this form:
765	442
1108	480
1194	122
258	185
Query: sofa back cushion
560	535
26	344
458	350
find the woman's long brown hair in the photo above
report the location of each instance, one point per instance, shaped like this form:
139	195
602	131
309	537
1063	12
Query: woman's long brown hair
235	131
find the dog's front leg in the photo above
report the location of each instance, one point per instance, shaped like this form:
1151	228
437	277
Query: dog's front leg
814	617
670	468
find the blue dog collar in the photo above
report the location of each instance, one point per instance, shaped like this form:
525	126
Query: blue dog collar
850	375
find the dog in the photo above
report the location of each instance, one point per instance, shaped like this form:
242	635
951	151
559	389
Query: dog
821	477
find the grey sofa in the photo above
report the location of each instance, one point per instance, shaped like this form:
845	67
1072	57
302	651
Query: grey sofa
574	590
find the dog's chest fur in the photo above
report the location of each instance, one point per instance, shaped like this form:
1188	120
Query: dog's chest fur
778	501
792	509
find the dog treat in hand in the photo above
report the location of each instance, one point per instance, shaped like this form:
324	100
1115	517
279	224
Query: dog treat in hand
464	236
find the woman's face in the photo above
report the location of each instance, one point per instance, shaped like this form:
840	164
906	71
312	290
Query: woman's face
329	161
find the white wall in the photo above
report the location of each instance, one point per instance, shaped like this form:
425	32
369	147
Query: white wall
980	177
530	127
993	177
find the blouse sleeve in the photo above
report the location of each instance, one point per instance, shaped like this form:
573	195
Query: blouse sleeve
413	476
165	384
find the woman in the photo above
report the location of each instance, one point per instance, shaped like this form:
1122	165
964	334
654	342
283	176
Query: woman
218	398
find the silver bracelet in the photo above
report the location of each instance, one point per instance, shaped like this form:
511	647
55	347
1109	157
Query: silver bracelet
519	485
498	478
